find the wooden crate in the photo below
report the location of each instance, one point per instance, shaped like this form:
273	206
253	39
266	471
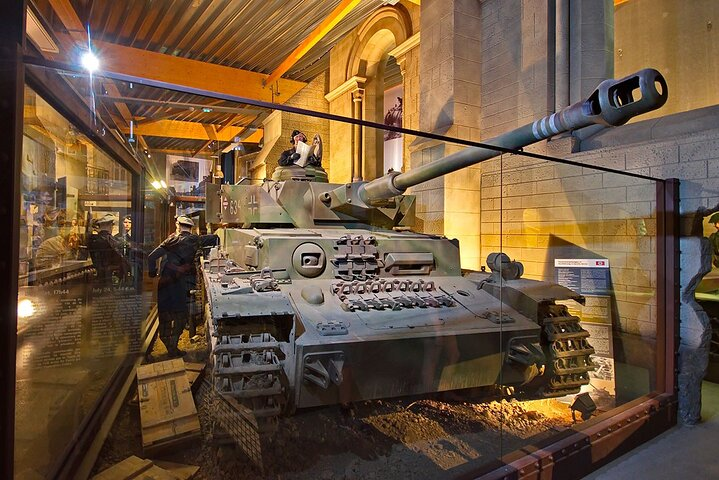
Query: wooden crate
167	409
134	468
195	373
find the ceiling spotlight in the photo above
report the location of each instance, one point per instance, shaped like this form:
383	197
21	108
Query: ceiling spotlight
164	185
89	61
156	185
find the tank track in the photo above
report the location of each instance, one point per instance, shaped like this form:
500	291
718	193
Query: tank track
567	350
248	368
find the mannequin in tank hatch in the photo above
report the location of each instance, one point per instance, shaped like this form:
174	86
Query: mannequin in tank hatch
176	279
297	139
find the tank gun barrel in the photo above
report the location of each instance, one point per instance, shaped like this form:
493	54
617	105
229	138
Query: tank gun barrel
613	102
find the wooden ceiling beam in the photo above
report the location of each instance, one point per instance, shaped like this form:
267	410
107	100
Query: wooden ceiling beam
173	70
181	105
217	130
335	16
67	15
185	130
190	73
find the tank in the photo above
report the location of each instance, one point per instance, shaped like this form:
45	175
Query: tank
320	294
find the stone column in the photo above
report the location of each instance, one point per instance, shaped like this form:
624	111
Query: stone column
357	135
591	46
341	102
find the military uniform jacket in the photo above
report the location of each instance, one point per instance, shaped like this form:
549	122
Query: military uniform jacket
106	254
177	275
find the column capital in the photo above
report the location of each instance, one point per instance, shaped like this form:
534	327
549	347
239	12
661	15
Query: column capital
352	84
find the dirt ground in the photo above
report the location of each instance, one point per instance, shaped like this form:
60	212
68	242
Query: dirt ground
440	436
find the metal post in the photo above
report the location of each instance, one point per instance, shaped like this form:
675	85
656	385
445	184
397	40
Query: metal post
12	80
667	285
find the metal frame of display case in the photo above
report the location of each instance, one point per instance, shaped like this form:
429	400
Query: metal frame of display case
12	82
592	444
569	454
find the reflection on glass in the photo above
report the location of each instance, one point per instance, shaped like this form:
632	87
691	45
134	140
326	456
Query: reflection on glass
324	294
590	237
79	303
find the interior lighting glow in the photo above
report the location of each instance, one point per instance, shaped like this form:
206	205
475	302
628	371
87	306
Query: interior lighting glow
156	185
89	61
164	185
25	308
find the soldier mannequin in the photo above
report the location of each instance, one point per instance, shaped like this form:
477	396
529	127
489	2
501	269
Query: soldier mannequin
106	251
176	276
289	157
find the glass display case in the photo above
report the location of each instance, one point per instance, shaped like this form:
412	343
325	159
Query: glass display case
424	320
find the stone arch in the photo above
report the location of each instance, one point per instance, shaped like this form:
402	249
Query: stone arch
376	37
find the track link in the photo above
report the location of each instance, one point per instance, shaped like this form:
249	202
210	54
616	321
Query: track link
248	368
567	350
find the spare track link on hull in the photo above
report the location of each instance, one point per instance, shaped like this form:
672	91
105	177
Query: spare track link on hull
567	350
248	369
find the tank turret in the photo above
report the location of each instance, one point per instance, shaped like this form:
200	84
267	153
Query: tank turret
300	197
315	297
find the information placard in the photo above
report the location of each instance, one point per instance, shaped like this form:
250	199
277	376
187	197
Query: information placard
591	278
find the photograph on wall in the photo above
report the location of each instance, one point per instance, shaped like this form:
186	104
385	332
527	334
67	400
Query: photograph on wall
185	171
187	175
393	117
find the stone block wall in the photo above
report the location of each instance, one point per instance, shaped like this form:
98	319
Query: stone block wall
311	97
512	69
536	211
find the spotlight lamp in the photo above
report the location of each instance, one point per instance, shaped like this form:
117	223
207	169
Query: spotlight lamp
89	61
156	185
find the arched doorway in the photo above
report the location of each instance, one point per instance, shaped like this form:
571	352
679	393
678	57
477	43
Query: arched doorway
368	60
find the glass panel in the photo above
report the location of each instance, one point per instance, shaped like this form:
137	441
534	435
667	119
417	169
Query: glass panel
586	240
331	302
79	303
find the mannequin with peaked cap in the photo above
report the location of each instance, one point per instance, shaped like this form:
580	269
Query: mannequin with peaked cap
106	252
176	279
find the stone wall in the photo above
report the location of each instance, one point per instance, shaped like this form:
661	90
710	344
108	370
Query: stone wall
537	211
311	97
514	65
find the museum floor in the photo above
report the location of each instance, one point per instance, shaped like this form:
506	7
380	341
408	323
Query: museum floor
683	452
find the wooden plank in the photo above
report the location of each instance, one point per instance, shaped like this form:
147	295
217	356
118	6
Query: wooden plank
181	471
129	468
167	410
157	473
186	130
335	16
69	18
191	73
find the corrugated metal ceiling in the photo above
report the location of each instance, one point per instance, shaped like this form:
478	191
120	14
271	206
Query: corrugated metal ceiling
254	35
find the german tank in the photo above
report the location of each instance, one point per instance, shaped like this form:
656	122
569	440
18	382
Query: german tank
316	298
